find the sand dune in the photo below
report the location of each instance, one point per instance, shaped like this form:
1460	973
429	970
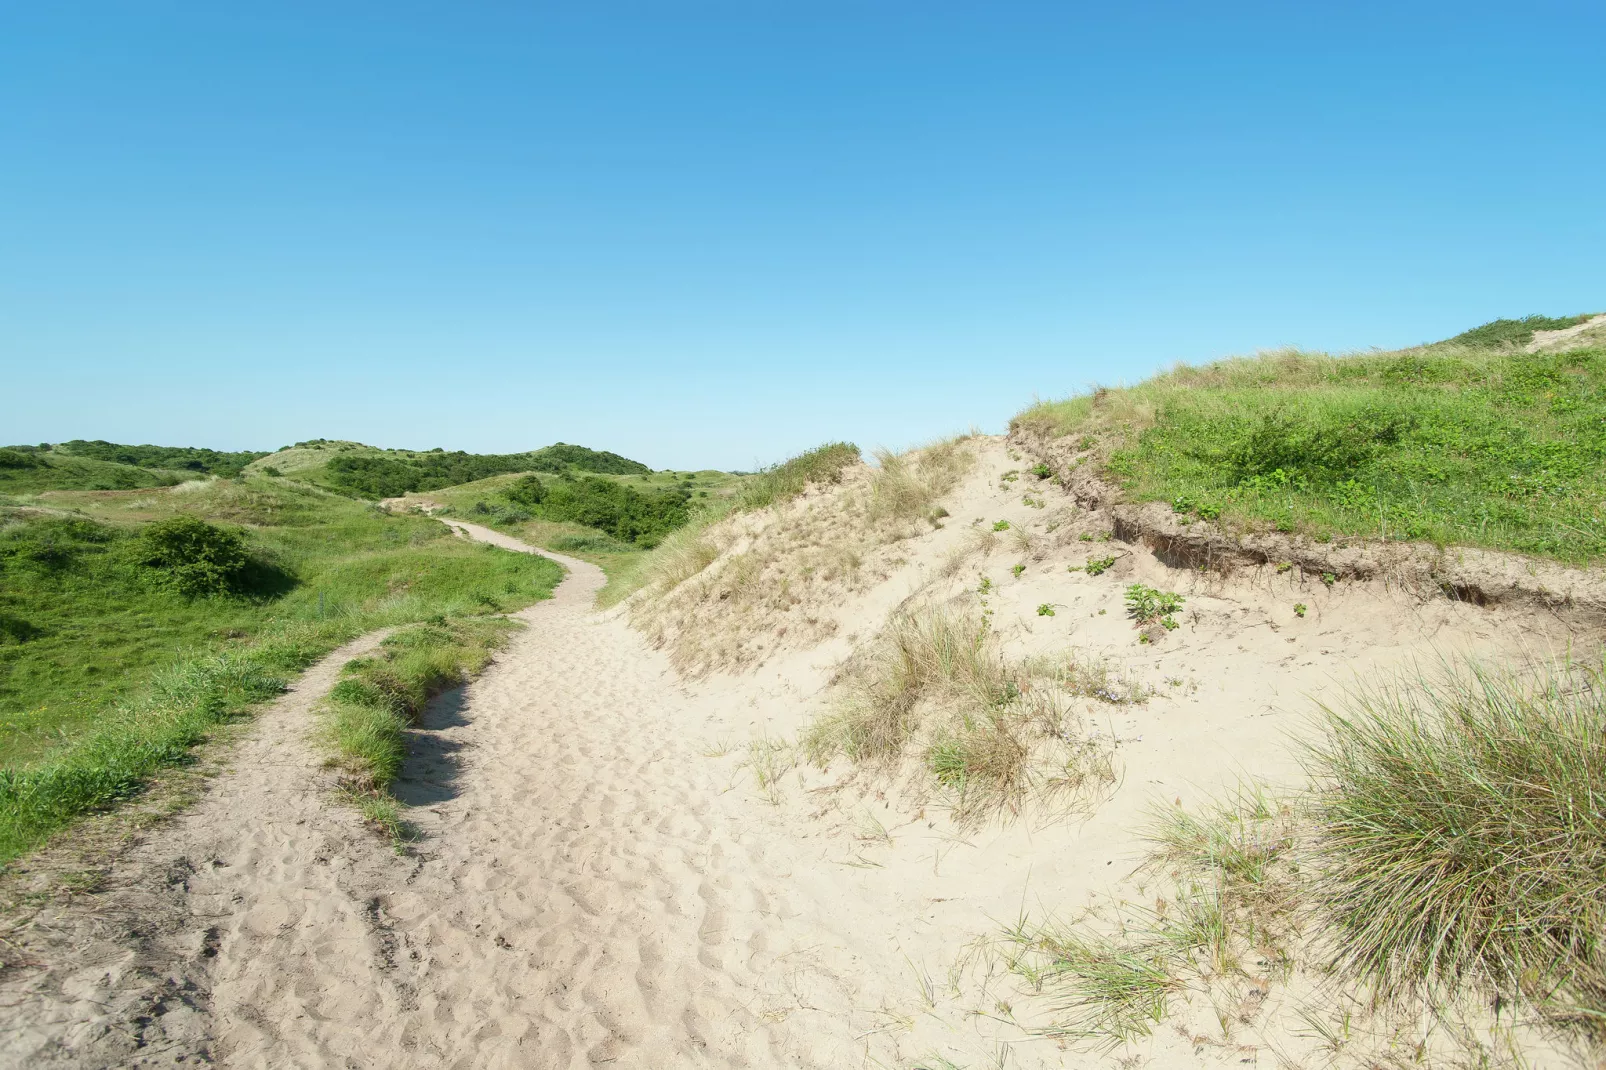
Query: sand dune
600	880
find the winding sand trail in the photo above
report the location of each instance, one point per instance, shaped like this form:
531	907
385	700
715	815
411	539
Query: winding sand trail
586	891
575	901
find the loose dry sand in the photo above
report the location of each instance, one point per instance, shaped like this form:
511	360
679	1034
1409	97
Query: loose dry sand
601	882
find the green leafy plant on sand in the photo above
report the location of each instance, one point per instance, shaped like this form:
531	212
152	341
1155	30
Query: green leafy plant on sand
1146	605
1001	525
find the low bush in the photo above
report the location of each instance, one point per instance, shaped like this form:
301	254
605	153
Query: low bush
11	458
389	475
193	557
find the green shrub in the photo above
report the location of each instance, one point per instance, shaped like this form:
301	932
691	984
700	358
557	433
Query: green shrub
622	511
179	458
194	557
10	458
1146	605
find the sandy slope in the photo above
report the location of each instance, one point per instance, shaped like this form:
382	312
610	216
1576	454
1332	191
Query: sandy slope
600	882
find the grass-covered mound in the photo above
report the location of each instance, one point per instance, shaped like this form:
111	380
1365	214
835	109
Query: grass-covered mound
369	472
163	458
127	628
1486	447
33	469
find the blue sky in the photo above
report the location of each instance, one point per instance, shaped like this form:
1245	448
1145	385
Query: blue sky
713	234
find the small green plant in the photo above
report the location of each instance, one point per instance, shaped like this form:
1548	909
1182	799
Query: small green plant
1045	610
1017	570
1284	566
1097	566
984	586
1010	476
1147	605
1041	470
1086	536
1001	525
1299	609
1034	503
1329	579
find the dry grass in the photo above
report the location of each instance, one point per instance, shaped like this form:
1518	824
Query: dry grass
1445	875
1226	921
725	594
991	733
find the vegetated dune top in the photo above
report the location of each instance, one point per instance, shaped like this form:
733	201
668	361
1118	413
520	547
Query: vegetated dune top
1491	446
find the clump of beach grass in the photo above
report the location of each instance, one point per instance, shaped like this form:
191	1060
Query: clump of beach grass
1461	832
989	731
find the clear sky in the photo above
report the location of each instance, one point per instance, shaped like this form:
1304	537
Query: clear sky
713	234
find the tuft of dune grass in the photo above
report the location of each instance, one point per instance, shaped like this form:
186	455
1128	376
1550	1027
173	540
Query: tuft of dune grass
989	731
1461	820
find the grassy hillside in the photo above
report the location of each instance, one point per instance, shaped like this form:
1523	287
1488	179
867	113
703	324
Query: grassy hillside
1476	444
370	472
594	535
32	469
116	620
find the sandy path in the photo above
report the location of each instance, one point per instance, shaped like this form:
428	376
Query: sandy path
580	895
586	891
259	863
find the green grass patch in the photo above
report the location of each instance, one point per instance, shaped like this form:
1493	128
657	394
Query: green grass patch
379	697
1517	332
108	646
784	481
1457	446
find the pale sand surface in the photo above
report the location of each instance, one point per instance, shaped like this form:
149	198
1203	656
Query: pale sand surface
600	882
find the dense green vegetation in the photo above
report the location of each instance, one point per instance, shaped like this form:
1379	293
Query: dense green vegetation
391	474
1518	332
31	469
624	513
176	458
128	628
1466	446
